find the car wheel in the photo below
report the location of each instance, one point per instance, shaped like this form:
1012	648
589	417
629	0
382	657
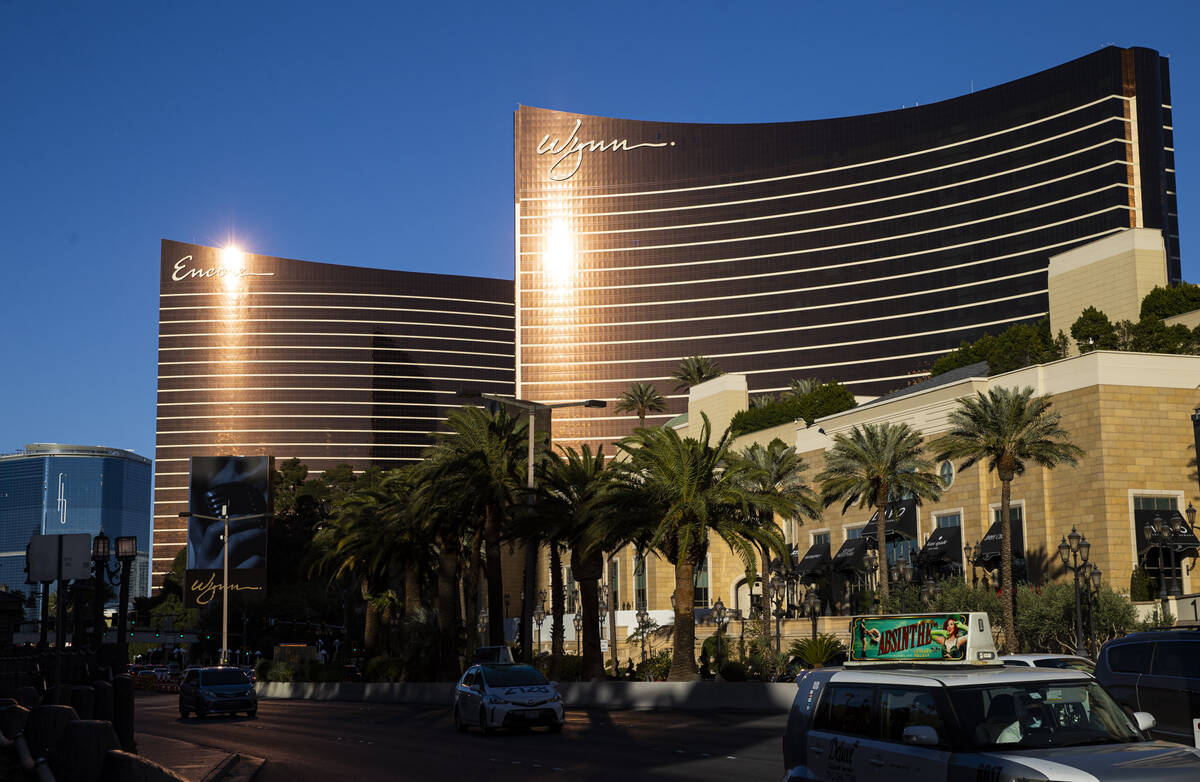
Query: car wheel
459	725
484	728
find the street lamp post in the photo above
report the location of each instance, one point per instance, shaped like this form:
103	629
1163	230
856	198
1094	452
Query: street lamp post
643	620
812	607
1093	594
578	622
483	626
1158	535
539	616
871	563
224	518
930	591
777	585
1074	551
531	408
720	615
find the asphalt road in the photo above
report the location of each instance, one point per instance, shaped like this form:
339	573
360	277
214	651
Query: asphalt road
322	741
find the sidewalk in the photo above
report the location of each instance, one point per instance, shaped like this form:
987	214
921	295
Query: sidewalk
195	762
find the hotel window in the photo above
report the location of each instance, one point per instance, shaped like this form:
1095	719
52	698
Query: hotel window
946	472
1165	569
820	537
700	598
853	532
639	581
1016	513
571	587
948	520
1155	503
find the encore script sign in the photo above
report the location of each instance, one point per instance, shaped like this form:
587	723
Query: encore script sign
569	154
183	271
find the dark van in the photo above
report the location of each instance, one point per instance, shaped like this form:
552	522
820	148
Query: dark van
1158	672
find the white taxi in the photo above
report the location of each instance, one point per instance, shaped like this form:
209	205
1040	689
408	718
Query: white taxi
499	695
925	697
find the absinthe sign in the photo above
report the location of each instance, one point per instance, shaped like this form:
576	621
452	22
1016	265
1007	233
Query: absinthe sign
567	154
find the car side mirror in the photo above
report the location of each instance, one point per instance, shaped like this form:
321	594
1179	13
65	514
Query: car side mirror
1144	720
923	735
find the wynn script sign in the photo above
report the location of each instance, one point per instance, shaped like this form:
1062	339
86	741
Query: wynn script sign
183	271
568	155
204	586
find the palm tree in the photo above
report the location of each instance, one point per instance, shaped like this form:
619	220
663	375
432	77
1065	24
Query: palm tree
572	510
776	470
677	491
481	460
641	398
804	386
694	370
871	465
761	401
1007	427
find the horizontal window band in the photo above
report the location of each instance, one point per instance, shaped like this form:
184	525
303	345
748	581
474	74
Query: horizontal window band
298	415
337	347
284	430
314	307
803	368
834	169
326	320
797	348
800	232
864	262
864	183
835	188
373	377
366	334
280	458
330	362
364	389
311	402
220	294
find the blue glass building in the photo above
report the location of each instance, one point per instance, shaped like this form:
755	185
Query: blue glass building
57	489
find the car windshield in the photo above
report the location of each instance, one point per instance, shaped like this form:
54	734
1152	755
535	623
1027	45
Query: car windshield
1066	663
223	676
1040	714
516	676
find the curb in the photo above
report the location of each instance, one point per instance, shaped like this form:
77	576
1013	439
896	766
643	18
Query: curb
222	770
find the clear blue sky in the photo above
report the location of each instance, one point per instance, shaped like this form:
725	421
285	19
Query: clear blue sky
381	135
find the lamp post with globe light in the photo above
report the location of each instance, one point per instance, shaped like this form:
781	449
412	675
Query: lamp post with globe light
1074	551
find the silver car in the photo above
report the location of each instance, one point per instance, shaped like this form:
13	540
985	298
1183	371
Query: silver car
968	723
497	695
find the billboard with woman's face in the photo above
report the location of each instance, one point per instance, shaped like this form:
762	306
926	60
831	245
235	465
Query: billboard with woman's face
237	488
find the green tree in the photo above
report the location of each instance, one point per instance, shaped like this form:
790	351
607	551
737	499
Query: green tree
1019	345
675	492
776	471
804	386
870	466
481	460
1007	427
1092	330
1174	300
641	398
694	370
820	400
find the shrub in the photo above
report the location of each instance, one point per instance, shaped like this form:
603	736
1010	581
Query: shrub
384	669
1173	300
825	399
815	652
570	668
733	671
1141	586
654	668
281	672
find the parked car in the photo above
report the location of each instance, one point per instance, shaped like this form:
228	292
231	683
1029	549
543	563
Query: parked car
1061	661
1158	672
494	695
923	698
217	690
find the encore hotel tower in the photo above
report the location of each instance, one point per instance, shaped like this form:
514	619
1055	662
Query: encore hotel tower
856	249
329	364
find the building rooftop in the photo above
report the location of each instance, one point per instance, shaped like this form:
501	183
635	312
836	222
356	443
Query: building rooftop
61	449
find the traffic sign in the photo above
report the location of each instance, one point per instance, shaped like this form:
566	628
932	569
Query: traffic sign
44	551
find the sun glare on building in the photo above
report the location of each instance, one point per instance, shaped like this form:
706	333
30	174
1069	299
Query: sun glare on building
558	263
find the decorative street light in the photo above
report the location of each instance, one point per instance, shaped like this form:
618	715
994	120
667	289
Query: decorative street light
812	607
1092	588
930	591
578	629
721	617
483	626
901	573
1074	551
871	563
531	408
643	620
539	616
777	585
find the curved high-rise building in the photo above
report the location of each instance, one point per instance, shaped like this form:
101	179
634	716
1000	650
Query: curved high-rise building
328	364
856	249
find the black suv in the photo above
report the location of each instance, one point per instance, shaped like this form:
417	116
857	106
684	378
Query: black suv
1158	672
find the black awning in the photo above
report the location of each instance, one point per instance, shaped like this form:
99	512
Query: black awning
816	560
850	555
944	545
1185	543
990	546
899	522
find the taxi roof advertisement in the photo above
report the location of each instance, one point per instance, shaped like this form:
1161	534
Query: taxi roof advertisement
954	638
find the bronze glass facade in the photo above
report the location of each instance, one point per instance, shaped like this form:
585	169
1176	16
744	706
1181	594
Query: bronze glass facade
328	364
855	249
